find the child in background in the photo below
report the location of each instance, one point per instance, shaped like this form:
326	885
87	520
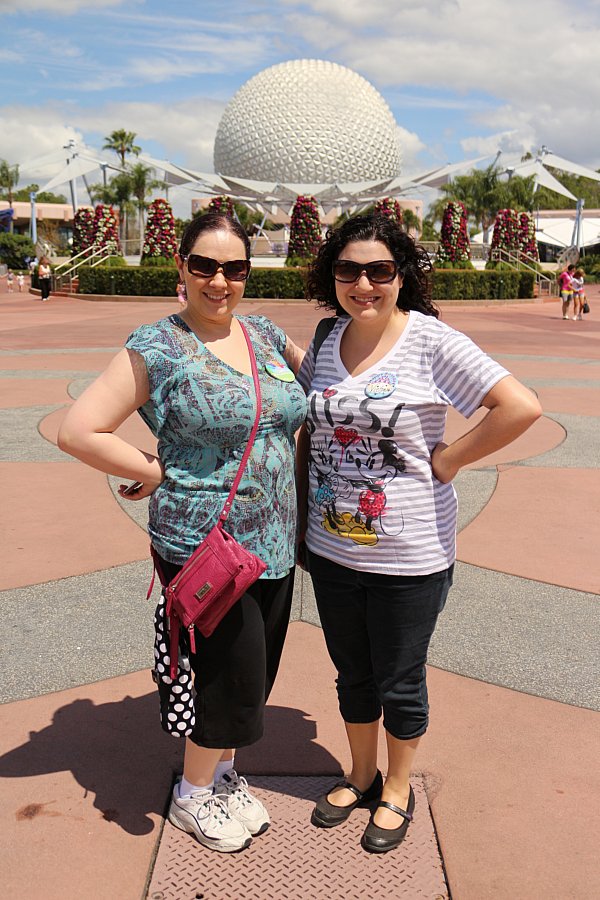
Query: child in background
20	282
578	293
10	278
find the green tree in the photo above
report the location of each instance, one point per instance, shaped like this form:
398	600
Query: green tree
122	142
13	250
9	178
142	185
42	196
483	194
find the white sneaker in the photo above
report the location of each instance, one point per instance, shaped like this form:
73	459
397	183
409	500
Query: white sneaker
233	790
205	815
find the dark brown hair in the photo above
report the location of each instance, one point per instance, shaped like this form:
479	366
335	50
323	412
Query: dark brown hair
413	263
211	221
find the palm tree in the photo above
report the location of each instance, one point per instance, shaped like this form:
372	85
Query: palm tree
9	178
142	186
484	194
117	193
121	142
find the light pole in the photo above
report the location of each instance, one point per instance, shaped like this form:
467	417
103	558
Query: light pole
33	219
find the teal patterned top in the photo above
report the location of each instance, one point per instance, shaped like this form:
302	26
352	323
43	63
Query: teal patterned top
202	410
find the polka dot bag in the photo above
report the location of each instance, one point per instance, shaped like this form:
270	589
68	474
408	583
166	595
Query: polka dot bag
177	713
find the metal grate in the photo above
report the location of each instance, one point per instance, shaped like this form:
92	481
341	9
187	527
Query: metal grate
294	860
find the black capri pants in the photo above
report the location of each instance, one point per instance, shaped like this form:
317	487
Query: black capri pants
377	629
235	668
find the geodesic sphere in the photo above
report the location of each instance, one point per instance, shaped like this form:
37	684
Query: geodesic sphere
307	121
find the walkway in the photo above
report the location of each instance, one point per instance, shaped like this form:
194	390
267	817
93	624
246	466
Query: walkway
509	768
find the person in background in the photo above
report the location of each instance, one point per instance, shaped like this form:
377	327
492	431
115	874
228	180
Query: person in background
565	286
380	522
10	280
44	274
20	282
190	378
578	294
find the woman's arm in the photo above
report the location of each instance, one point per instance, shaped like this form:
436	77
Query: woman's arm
293	355
512	409
302	451
87	430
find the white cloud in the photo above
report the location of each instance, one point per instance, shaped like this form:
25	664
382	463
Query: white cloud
411	146
539	70
58	6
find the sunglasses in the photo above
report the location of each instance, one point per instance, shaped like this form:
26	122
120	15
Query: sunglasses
381	271
205	267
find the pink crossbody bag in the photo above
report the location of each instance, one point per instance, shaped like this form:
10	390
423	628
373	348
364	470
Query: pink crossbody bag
219	571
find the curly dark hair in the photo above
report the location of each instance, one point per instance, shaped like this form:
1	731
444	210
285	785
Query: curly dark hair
412	260
211	221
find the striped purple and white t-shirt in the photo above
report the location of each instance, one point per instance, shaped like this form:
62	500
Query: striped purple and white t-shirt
374	504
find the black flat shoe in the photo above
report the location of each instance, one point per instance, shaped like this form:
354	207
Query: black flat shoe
380	840
327	815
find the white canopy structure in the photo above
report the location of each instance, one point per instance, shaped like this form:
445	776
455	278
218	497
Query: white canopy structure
561	232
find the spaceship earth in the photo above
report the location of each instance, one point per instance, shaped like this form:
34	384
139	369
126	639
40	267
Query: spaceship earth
307	121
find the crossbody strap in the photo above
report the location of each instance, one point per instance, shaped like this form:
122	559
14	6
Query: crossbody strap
227	507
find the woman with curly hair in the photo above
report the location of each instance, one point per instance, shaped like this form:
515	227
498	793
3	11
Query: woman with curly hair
380	521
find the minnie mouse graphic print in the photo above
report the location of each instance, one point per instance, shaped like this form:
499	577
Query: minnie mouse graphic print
374	504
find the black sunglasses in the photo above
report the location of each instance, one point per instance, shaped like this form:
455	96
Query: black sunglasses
381	271
205	267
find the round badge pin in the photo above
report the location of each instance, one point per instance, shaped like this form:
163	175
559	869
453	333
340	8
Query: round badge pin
381	385
279	371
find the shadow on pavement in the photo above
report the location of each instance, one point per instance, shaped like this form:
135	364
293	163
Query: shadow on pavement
117	752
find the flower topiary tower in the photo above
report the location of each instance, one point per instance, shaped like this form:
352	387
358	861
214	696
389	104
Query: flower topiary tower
305	229
222	204
528	247
389	206
106	232
506	232
159	241
83	230
455	247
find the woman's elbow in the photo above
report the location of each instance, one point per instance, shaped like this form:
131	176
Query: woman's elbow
530	410
65	439
70	439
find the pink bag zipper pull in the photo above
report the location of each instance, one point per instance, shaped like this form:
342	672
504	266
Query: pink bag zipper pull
192	638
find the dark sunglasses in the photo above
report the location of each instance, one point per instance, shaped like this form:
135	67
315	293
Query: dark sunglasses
381	271
205	267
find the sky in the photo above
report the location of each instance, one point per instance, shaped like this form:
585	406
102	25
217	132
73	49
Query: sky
463	78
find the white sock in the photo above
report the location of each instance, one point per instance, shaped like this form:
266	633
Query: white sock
186	788
223	766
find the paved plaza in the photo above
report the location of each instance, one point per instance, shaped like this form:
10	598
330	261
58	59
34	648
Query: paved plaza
507	776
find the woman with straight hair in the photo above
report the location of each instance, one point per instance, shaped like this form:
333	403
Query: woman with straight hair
190	377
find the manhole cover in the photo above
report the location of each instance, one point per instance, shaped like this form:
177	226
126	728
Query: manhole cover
294	860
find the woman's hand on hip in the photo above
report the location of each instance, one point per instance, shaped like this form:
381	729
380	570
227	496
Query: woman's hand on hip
442	466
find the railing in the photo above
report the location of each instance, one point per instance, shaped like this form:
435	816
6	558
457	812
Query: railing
546	284
89	256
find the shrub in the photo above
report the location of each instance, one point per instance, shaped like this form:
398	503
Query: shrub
462	284
281	284
14	248
135	281
158	262
285	284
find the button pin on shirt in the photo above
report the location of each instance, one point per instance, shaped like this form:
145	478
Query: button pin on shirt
279	371
381	385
